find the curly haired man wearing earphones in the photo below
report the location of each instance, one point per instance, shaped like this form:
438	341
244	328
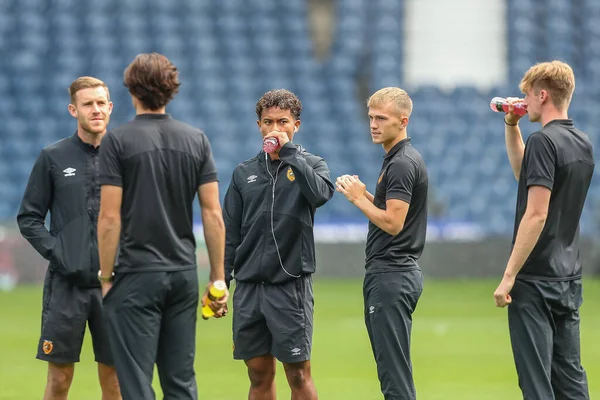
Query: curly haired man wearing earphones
269	213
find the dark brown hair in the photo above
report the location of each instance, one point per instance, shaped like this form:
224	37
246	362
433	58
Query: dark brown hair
86	82
152	79
281	98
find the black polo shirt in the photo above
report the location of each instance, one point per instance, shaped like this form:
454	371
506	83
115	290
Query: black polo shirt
560	158
160	163
403	177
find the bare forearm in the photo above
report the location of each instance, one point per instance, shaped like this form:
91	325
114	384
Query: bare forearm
109	232
528	234
377	216
214	235
515	148
369	196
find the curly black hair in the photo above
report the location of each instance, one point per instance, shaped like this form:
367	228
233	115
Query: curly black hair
281	98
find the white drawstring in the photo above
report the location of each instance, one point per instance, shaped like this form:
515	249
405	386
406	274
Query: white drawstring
274	179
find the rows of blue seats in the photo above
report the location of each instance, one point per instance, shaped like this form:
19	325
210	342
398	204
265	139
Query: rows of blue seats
231	52
555	29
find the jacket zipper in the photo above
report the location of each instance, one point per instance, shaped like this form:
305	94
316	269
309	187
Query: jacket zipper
272	183
93	204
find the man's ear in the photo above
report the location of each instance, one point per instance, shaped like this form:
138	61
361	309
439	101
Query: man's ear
72	110
544	95
404	122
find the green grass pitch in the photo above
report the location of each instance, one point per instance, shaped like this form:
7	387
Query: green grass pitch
460	347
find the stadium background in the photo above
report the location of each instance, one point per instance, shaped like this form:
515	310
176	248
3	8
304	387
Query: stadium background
452	57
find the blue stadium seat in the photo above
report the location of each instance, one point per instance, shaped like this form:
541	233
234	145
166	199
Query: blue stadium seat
293	7
230	24
263	6
171	45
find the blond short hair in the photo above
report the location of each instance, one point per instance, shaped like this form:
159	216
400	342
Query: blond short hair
556	77
86	82
393	95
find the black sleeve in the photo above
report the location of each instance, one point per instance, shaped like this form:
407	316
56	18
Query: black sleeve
232	215
34	208
111	168
207	169
539	161
314	182
401	178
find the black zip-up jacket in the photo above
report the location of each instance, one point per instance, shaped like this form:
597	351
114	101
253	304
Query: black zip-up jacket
64	181
269	211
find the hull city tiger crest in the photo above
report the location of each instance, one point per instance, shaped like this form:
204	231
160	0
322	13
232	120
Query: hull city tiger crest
290	175
48	346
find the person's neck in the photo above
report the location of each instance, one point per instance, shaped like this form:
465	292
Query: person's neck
90	138
390	145
141	110
553	114
274	156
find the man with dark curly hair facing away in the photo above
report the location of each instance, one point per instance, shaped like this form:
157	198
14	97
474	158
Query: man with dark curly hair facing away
269	211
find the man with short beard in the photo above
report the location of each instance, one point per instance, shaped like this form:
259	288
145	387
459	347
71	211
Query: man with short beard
64	182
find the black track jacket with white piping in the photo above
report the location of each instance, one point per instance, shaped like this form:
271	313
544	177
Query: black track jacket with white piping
269	211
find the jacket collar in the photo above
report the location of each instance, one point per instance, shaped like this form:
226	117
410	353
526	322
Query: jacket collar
83	145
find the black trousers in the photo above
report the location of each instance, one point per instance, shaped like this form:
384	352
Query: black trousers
151	319
390	300
543	320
